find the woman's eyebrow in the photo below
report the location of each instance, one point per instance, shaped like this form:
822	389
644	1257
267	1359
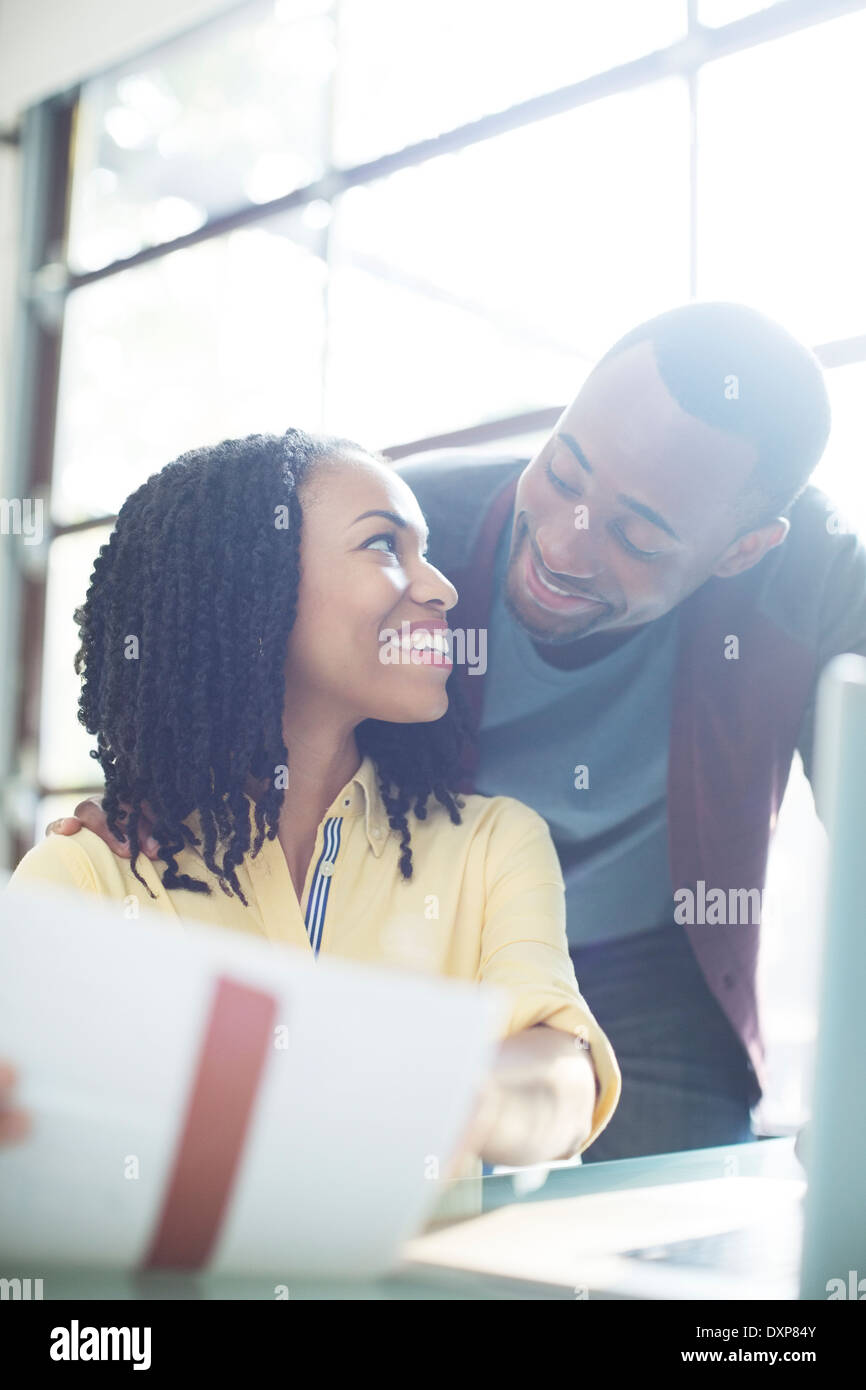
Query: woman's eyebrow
389	516
397	519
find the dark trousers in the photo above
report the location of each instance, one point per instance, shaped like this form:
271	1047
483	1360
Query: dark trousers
686	1080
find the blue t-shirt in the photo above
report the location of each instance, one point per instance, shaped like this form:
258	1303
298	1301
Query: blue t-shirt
588	750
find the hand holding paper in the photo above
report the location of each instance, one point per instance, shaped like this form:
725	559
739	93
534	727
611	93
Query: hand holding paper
14	1122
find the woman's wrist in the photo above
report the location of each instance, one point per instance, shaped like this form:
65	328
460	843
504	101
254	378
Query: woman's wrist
535	1119
516	1121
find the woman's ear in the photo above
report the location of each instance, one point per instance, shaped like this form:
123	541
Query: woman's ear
748	549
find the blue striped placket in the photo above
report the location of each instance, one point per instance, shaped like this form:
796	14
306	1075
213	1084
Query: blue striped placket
317	903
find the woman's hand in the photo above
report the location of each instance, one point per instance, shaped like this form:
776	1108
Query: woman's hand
537	1103
14	1122
89	813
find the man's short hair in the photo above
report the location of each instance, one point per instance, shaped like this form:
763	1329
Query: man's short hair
733	367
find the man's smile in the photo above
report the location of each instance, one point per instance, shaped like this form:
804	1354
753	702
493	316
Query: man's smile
550	595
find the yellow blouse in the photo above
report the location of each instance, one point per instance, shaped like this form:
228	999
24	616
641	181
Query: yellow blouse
485	902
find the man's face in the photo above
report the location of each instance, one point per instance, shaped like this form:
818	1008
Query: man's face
629	507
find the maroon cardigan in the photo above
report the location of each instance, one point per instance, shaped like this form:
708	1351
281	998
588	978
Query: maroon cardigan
735	723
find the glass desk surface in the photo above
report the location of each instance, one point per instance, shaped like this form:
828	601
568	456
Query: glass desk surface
767	1159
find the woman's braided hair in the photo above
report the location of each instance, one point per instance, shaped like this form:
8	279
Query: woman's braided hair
184	633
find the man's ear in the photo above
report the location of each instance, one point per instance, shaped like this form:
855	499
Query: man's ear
747	550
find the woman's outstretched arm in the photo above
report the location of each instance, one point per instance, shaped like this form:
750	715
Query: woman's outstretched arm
539	1100
556	1082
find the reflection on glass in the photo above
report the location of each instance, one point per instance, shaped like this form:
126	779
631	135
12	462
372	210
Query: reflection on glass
407	72
220	340
64	745
782	217
232	114
483	283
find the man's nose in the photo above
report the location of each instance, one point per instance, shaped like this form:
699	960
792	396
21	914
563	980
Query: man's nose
575	552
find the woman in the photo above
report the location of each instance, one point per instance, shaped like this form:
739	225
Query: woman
263	663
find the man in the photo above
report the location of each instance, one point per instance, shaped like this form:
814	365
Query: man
659	591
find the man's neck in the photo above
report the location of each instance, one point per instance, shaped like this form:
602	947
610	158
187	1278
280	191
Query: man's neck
571	656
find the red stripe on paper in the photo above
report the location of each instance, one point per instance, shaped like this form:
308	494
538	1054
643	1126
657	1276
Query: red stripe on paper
230	1067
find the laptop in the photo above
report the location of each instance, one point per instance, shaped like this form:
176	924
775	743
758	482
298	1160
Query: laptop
834	1236
207	1101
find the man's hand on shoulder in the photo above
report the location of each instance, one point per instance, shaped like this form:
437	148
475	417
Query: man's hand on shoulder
90	814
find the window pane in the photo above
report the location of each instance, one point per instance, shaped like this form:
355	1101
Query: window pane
220	340
407	72
64	745
841	473
781	207
484	283
404	366
232	114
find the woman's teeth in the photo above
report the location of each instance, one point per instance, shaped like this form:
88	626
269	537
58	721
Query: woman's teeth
421	640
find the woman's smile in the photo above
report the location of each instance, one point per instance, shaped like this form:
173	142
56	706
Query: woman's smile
425	642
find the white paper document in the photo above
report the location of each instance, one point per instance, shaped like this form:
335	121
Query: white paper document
203	1099
579	1241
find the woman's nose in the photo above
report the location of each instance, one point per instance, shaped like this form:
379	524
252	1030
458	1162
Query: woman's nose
431	586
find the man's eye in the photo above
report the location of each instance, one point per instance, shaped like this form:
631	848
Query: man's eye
635	549
387	543
559	482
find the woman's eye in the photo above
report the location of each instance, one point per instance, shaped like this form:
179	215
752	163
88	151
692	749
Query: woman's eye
387	543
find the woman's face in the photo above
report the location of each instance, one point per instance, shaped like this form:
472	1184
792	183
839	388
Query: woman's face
363	576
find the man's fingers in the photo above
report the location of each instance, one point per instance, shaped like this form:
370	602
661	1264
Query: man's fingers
67	825
90	810
96	821
8	1076
91	814
148	844
14	1124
